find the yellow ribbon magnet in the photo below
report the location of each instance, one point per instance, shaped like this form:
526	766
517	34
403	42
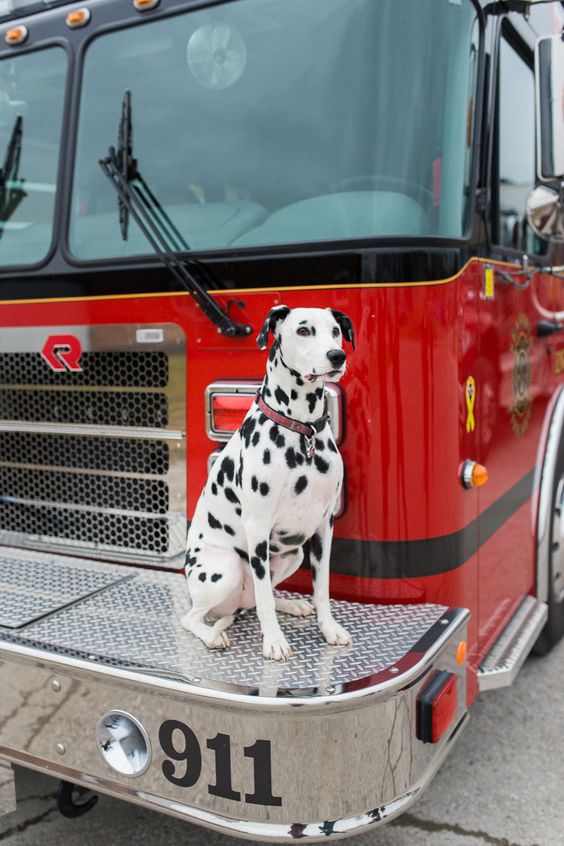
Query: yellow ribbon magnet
470	400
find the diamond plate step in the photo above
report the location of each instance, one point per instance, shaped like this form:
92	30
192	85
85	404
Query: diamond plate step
134	623
508	653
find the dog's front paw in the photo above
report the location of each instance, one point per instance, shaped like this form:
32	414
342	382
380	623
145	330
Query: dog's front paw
335	634
276	648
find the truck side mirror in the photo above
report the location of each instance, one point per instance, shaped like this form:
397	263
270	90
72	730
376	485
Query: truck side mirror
545	205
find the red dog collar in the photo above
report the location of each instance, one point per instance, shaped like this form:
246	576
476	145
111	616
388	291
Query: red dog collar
308	430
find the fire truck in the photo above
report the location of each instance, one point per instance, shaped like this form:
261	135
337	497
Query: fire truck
170	172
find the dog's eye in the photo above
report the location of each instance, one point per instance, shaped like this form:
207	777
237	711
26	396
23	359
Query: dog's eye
303	330
336	332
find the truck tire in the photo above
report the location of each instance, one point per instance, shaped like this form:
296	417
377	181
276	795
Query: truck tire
554	627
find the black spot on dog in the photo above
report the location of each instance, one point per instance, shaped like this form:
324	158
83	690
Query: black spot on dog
196	549
261	549
291	458
228	529
293	540
191	560
321	464
262	419
231	496
216	577
214	489
299	381
241	553
289	411
273	349
276	438
316	547
238	512
313	570
202	577
266	457
293	394
200	536
254	483
247	429
264	489
281	396
331	446
311	401
258	567
312	330
331	520
301	484
319	445
267	392
214	524
220	478
255	439
228	467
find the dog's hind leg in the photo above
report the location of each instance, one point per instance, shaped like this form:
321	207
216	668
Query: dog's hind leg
214	584
282	567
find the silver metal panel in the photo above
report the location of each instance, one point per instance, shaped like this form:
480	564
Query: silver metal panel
7	788
136	624
94	460
32	585
507	655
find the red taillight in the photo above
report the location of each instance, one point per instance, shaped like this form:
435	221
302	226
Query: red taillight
228	411
436	706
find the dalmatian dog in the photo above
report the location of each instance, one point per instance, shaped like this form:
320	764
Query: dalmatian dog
275	487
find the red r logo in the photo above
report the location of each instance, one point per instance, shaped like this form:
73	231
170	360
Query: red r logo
62	352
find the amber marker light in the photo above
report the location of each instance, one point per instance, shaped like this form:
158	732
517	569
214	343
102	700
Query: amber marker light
16	35
461	651
144	5
78	18
473	474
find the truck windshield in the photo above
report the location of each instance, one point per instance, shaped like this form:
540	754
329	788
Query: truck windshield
265	122
32	89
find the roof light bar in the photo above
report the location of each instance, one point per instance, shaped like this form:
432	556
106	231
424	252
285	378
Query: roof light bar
16	35
78	18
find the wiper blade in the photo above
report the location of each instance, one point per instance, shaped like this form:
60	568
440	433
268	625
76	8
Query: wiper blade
136	199
11	186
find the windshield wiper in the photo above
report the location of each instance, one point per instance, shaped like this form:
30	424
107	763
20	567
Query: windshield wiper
11	190
135	198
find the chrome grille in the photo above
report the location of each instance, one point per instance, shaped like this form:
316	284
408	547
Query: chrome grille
99	369
94	460
92	453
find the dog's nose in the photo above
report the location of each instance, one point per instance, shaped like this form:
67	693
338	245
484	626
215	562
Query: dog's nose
336	357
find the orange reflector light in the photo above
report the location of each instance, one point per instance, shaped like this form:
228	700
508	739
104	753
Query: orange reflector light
228	411
461	651
16	35
78	17
473	474
436	706
143	5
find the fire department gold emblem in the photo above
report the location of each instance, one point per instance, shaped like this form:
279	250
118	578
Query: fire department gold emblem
521	347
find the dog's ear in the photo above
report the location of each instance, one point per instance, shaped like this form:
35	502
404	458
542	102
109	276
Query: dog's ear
346	325
274	315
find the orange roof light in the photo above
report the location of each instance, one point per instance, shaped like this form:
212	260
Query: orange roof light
144	5
16	35
473	474
78	18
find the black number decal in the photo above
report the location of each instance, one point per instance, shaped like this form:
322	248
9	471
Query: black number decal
260	753
190	752
221	745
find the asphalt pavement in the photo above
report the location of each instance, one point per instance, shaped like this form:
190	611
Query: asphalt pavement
502	785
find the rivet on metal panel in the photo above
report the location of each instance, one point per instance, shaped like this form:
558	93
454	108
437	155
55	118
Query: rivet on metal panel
394	670
60	748
56	685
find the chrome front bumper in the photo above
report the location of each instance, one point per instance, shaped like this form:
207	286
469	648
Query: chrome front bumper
324	745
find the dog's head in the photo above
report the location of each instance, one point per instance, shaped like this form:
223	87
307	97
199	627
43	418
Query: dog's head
310	340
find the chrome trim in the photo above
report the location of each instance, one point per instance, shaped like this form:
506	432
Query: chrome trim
97	431
502	663
7	788
311	832
544	484
249	387
411	667
105	738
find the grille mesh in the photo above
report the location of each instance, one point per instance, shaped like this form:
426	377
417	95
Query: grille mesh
106	454
99	369
86	408
89	527
117	492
